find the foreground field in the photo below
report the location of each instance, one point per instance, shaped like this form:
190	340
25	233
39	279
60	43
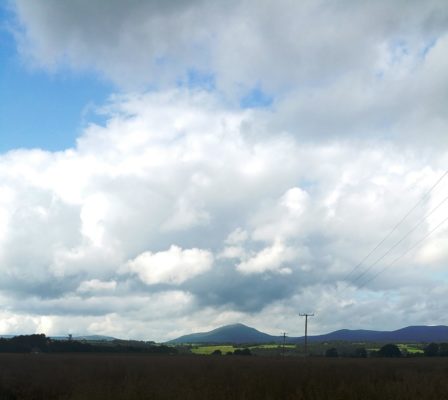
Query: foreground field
228	377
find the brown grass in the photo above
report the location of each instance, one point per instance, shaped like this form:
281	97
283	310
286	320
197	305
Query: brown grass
51	376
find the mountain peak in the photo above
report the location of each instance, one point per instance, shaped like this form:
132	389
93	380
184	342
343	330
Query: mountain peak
237	325
233	333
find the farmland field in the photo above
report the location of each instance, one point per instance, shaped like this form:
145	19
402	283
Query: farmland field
70	377
209	349
404	348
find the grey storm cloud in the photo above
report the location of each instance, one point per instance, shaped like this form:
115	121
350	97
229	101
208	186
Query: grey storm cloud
308	43
186	211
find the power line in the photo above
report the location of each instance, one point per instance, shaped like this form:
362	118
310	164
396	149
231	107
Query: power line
397	225
418	243
407	234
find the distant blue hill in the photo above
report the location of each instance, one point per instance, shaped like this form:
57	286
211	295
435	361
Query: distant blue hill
90	338
408	334
239	333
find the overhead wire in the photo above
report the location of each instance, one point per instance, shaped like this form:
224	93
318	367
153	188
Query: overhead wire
415	245
403	238
388	235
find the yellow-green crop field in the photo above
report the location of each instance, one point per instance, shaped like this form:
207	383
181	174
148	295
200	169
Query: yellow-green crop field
206	350
410	348
404	347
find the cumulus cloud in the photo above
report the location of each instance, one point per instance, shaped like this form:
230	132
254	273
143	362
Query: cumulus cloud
271	258
173	266
326	79
184	210
96	285
84	231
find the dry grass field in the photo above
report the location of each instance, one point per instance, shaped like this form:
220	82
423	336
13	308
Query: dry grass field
57	376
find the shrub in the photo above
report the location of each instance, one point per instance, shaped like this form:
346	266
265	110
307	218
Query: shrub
243	352
331	352
389	350
443	349
431	350
360	352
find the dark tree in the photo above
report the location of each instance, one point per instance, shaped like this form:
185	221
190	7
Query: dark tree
217	352
443	349
432	350
360	352
389	350
243	352
331	352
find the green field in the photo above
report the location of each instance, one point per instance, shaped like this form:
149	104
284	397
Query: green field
208	349
410	348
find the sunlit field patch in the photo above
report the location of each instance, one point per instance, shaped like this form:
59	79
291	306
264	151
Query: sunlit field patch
206	350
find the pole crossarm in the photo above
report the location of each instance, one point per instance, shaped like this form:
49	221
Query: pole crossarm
306	315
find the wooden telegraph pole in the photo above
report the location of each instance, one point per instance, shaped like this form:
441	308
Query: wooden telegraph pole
284	341
306	329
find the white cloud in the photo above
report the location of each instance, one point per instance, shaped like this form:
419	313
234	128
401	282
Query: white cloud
295	200
185	216
285	199
95	285
92	213
275	258
232	252
74	218
173	266
238	236
364	70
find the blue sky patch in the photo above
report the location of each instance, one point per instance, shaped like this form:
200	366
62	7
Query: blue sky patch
256	98
41	110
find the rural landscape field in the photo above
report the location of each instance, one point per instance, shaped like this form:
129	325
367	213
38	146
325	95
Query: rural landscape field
80	377
34	367
223	199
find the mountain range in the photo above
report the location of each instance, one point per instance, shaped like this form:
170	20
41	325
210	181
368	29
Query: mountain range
240	333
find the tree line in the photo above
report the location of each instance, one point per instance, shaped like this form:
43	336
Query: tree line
40	343
393	351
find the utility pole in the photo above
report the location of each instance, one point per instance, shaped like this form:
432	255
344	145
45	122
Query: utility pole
284	341
306	329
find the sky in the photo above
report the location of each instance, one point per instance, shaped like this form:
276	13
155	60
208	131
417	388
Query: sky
171	167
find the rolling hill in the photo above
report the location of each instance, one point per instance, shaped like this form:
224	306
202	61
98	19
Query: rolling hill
239	333
236	333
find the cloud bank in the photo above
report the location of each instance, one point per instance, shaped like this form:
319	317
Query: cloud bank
175	199
190	208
